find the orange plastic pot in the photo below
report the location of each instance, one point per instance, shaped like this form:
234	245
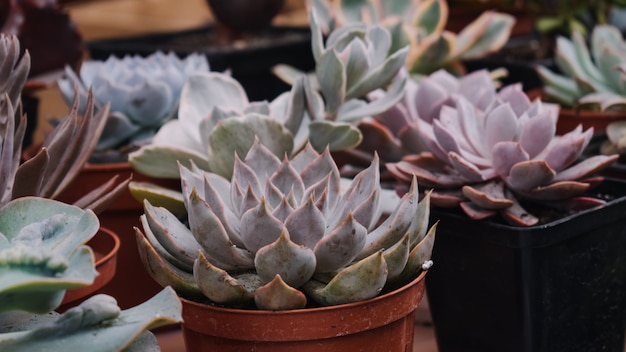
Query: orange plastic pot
105	246
384	323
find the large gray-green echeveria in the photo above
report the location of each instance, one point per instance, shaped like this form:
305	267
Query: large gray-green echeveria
484	157
278	228
420	24
143	93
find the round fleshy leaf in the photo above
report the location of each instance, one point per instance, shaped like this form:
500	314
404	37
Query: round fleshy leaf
527	175
340	246
259	227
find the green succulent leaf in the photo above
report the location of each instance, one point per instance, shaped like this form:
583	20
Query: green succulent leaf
237	136
158	196
162	161
96	325
334	135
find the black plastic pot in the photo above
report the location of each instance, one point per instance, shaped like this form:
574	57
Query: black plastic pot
549	288
250	62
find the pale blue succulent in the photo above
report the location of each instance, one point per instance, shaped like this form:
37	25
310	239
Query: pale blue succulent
143	92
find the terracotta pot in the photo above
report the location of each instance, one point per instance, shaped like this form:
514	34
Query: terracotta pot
384	323
105	245
131	285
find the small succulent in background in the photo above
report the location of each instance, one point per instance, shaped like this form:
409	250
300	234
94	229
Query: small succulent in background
143	93
42	254
278	228
485	159
616	139
420	24
590	76
215	117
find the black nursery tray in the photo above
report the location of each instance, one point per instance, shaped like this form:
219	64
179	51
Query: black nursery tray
250	61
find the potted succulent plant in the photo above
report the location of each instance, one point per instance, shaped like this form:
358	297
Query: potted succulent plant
534	235
421	26
216	118
589	84
42	255
281	243
135	96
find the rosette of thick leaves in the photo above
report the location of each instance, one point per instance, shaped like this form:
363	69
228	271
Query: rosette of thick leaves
588	75
43	253
420	25
143	92
279	228
508	149
395	132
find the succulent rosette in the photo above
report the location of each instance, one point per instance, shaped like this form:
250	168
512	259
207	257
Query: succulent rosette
280	232
485	157
143	92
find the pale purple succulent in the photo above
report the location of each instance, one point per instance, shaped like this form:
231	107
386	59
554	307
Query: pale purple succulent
278	228
497	149
395	132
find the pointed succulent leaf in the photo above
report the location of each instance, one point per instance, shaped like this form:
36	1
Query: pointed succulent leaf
385	102
501	125
378	77
559	190
163	272
397	256
277	295
340	246
286	179
170	233
332	80
217	285
360	281
419	255
259	227
396	224
261	161
476	212
211	235
173	259
294	263
517	215
306	225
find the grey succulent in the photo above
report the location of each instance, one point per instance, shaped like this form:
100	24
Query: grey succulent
278	228
143	94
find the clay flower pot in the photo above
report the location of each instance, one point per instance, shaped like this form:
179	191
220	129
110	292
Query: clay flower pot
105	246
383	323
